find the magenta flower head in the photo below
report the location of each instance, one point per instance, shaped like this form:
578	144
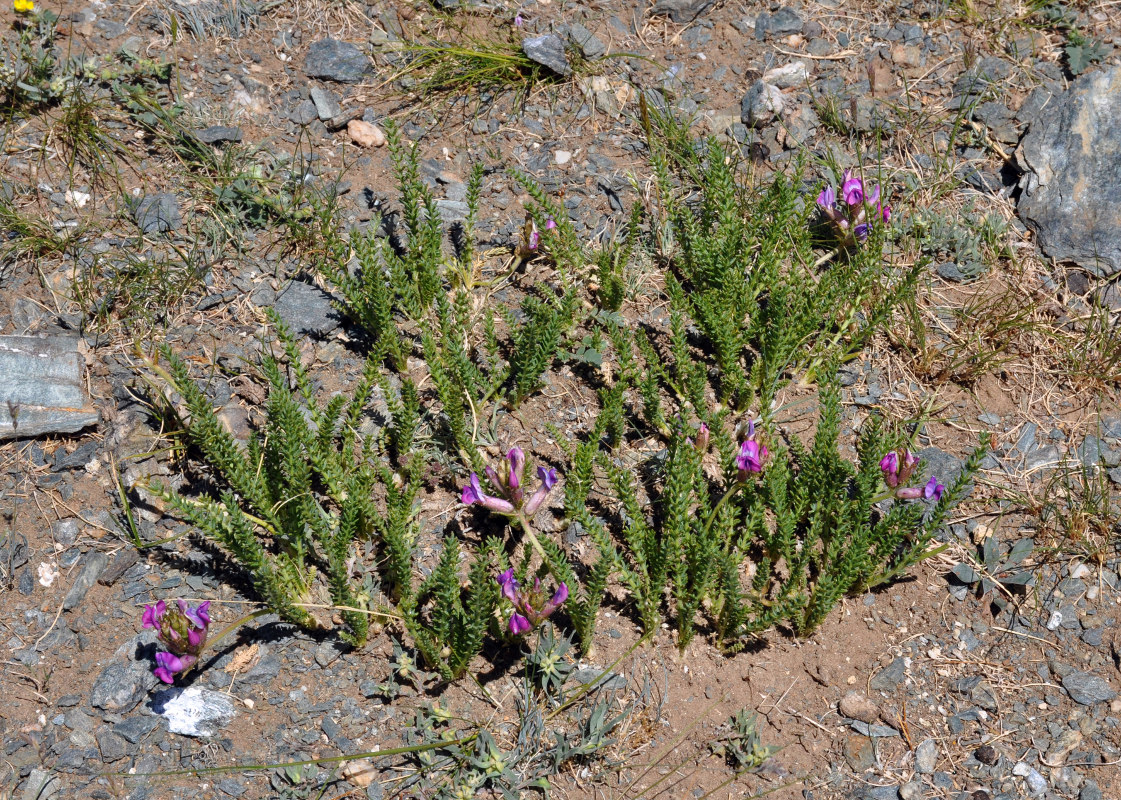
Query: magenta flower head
530	606
852	189
853	218
182	631
473	494
550	224
518	21
508	481
898	468
933	489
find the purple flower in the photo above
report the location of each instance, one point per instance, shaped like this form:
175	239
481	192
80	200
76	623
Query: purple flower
933	489
852	221
473	494
750	458
153	614
897	469
530	606
852	189
547	480
550	224
508	482
170	664
518	21
703	437
182	631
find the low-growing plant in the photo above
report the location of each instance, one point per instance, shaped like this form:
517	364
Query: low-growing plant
741	745
805	526
741	267
998	568
290	504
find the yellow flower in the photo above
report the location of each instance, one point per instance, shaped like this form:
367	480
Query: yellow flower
23	6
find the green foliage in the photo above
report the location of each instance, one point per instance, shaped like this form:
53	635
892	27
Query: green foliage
545	663
290	504
743	270
810	530
448	620
972	240
742	746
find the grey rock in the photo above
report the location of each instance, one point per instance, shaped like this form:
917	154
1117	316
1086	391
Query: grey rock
1072	191
92	564
121	563
681	11
610	681
949	271
307	309
547	50
912	790
1042	457
41	785
589	45
122	683
452	210
1093	451
326	103
112	746
761	104
1087	689
338	61
218	134
875	731
941	463
231	787
1090	792
1114	475
784	22
859	752
305	113
136	728
157	213
77	459
65	531
889	677
328	652
926	756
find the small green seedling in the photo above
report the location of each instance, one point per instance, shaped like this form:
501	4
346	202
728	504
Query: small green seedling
1000	570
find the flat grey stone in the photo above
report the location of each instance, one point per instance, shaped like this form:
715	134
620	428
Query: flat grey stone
889	677
610	681
761	104
92	564
681	11
307	309
926	756
547	50
218	134
452	210
157	213
589	45
123	683
41	387
305	113
338	61
1093	451
112	746
1087	689
326	103
784	22
1072	190
41	785
136	728
949	271
66	531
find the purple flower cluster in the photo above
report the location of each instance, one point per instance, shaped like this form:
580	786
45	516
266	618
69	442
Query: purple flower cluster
182	632
752	454
897	469
850	217
530	606
508	482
